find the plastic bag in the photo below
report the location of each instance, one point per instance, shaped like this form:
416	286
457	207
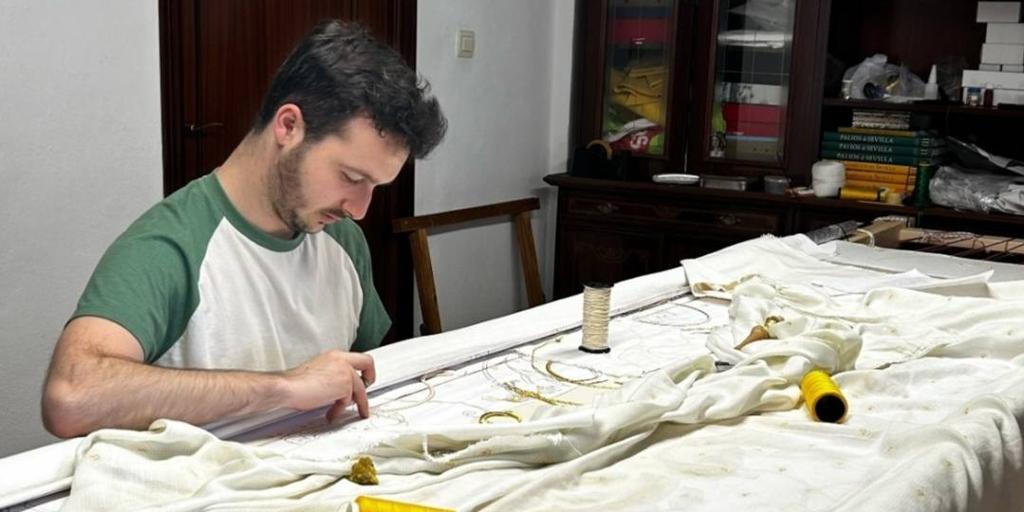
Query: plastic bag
979	192
876	79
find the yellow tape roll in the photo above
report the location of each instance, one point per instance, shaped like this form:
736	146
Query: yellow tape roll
859	193
824	400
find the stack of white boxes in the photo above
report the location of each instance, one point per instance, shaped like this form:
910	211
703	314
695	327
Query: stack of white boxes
1002	55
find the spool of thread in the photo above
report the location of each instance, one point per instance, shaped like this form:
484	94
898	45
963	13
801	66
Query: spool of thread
825	402
596	297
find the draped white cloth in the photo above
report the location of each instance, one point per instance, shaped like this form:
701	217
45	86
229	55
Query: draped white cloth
935	385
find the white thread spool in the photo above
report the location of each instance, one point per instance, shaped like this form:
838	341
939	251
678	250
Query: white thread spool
595	318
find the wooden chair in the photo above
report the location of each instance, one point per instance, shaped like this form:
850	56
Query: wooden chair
417	228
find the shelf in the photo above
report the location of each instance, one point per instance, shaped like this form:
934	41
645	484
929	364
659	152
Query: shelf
925	108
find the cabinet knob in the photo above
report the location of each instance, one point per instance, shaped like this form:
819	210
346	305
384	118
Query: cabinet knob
607	208
728	219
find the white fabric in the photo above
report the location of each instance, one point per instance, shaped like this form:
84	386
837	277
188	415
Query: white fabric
792	260
396	363
935	385
818	332
242	287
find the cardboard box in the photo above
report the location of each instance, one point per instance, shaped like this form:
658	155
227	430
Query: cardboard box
1011	96
998	12
993	53
997	79
1005	33
990	67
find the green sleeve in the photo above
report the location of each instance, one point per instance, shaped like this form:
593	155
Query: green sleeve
374	321
141	283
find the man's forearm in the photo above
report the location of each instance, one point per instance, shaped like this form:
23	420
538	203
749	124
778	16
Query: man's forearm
106	391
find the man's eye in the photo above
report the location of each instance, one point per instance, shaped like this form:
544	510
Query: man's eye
351	178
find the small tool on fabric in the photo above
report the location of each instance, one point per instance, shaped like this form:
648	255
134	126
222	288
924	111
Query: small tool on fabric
760	332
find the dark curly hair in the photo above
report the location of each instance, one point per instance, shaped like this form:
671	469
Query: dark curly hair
337	72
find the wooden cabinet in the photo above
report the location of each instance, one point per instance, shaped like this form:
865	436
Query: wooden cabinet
613	230
609	231
745	88
734	84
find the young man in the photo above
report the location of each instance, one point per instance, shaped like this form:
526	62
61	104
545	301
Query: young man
246	290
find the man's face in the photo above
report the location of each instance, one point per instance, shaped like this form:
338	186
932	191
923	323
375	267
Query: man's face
313	185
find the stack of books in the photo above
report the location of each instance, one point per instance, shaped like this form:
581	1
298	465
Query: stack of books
877	157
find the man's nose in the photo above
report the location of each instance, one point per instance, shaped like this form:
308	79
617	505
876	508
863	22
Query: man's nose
359	203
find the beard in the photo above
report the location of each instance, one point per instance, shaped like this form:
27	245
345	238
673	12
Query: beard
286	195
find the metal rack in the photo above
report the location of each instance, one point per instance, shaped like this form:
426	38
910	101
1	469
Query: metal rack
896	233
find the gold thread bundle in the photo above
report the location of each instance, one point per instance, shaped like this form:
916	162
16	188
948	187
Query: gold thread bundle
825	402
489	415
364	472
595	318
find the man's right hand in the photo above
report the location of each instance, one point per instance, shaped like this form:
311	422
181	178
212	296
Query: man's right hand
96	360
334	375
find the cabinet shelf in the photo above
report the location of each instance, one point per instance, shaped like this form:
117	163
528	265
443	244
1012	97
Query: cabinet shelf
925	108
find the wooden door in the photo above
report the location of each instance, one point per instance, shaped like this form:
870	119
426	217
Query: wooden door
217	60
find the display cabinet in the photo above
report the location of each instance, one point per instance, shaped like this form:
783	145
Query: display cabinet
743	88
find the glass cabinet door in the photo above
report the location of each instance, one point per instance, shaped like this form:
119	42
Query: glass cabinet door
637	70
751	80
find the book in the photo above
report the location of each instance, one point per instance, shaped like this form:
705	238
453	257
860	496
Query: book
895	187
877	167
884	149
882	159
880	131
880	177
867	138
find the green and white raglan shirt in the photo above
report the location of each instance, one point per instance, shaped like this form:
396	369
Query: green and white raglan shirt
201	287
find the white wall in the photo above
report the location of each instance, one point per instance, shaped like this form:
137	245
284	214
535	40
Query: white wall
80	158
508	115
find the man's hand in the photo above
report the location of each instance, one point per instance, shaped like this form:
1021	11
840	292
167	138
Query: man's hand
98	379
334	375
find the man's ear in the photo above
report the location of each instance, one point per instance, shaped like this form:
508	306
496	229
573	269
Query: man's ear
288	126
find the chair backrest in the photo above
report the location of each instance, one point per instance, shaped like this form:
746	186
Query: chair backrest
417	228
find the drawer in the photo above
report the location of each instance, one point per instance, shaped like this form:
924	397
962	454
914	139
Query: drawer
696	215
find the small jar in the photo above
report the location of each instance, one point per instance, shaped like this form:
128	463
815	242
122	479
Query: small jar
973	97
776	184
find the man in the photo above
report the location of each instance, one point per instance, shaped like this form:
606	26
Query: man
245	290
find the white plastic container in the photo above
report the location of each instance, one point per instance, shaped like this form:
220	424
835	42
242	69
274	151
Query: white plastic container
827	177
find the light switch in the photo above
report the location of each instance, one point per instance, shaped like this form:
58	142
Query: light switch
465	43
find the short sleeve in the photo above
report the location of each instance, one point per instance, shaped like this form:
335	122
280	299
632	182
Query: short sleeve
374	321
141	283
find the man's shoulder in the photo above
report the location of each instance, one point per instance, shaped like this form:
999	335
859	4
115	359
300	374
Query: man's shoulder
186	219
350	236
